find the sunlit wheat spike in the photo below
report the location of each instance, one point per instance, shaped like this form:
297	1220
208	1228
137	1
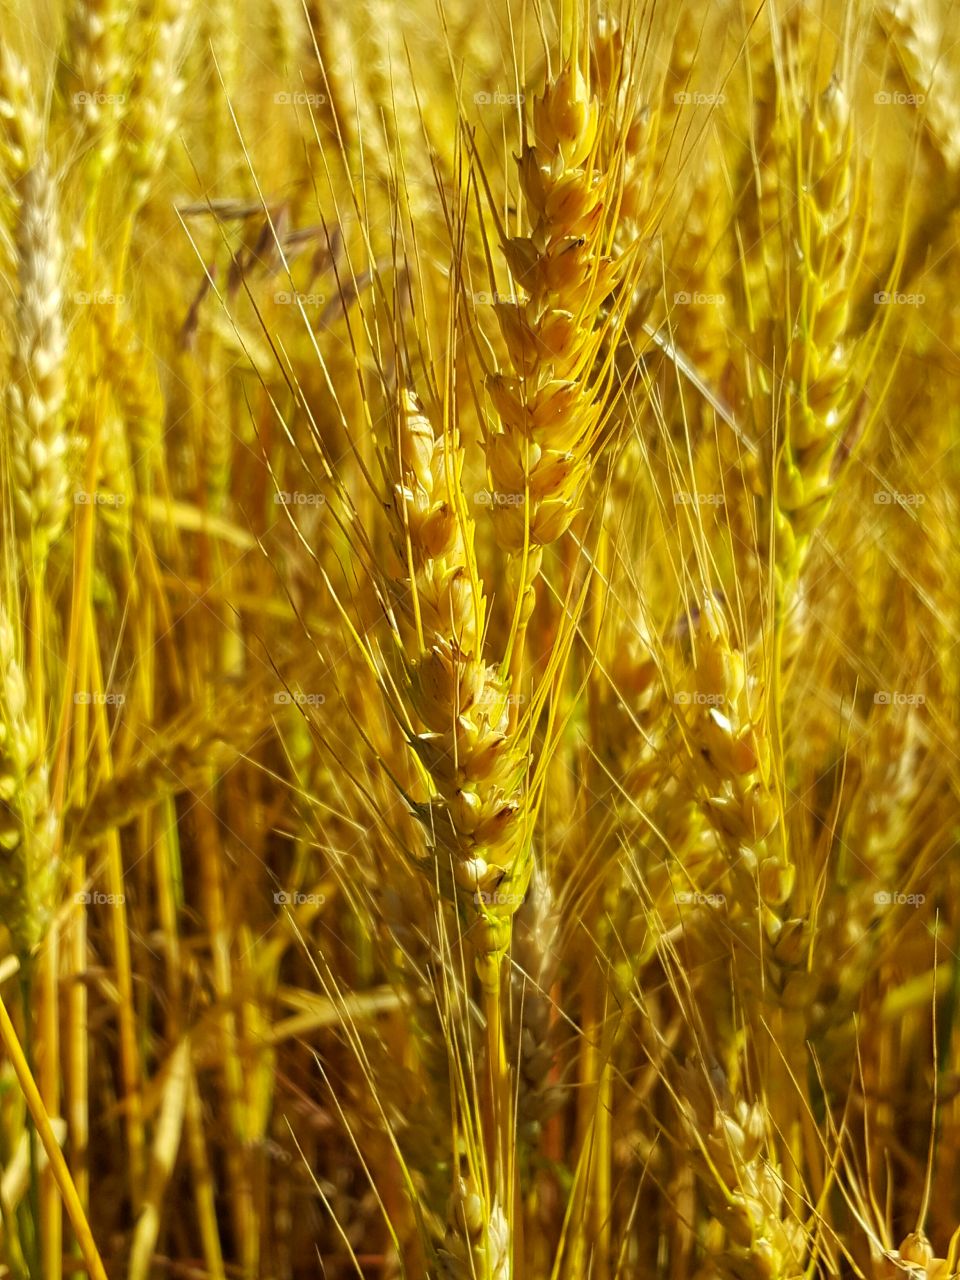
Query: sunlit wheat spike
20	124
35	395
475	761
918	41
477	1243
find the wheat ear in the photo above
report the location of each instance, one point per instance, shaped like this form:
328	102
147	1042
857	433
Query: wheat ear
754	1232
155	94
818	363
477	1243
94	75
476	765
917	39
732	767
37	441
19	121
550	404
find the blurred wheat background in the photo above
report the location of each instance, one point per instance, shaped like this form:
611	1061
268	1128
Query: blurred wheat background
479	725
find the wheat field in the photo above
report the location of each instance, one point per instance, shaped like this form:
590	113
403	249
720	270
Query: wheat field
479	722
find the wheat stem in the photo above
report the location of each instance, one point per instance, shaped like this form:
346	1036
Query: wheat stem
58	1165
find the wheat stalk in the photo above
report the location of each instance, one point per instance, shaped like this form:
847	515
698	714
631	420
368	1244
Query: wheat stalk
28	877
